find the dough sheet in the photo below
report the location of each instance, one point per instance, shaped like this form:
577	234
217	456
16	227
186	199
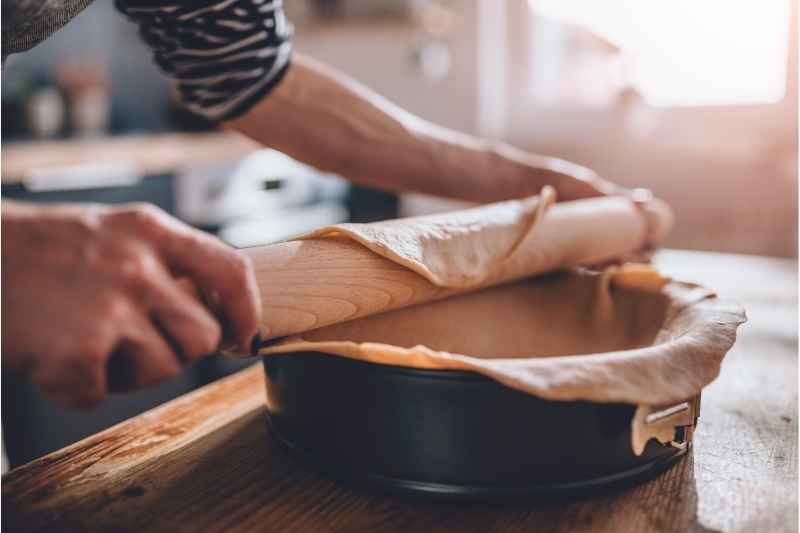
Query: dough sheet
620	334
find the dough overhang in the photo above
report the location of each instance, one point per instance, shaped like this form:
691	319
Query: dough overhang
569	336
623	335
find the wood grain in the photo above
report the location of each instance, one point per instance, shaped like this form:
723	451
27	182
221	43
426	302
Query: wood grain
313	283
207	462
310	284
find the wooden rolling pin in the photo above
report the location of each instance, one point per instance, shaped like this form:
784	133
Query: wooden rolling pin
308	284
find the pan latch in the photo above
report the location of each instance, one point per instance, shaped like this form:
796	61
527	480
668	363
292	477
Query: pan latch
673	425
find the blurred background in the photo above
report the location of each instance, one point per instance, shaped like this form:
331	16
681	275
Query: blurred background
696	100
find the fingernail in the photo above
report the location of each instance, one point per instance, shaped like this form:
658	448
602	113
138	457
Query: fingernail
244	350
641	195
256	343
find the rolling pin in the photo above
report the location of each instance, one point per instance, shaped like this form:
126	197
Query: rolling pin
307	284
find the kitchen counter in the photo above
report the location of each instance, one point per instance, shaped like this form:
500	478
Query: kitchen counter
150	154
205	461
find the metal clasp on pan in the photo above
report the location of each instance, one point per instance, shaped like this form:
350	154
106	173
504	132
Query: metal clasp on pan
673	424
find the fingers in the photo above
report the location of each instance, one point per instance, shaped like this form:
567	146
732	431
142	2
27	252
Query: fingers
581	187
138	343
76	387
183	319
571	188
130	352
74	378
575	182
224	275
142	359
171	326
579	190
660	219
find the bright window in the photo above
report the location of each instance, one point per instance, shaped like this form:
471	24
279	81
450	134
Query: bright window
691	52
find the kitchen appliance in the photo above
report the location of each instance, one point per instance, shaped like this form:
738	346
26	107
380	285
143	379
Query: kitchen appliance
261	198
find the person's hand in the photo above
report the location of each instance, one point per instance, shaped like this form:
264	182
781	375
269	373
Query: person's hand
527	173
574	182
101	299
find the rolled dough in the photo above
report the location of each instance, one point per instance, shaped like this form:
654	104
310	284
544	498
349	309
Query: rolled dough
624	334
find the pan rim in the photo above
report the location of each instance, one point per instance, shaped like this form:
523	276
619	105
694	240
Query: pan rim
429	373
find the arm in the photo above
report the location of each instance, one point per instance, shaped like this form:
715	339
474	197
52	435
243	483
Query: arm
230	63
330	121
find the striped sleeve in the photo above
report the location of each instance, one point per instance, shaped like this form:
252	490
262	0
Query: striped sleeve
222	55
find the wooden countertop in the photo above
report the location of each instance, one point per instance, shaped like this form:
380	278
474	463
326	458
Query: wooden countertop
205	461
150	154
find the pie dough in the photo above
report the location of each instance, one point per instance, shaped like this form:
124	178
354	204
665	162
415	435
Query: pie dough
621	334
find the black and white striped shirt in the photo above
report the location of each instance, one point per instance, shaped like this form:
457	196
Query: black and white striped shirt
223	55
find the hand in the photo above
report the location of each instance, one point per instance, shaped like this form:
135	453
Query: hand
89	287
574	182
529	173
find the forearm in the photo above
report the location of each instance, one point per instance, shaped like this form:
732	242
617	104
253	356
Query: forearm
233	68
333	123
